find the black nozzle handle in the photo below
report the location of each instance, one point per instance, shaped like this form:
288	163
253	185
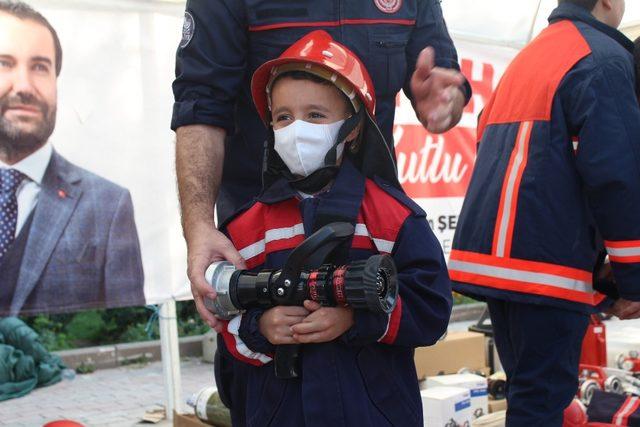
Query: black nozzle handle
286	361
315	249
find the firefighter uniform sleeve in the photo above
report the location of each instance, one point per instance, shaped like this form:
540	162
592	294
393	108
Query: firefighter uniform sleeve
210	63
431	30
243	346
606	116
422	313
242	336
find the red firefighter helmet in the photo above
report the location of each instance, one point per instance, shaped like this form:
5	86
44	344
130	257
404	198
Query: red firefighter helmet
316	53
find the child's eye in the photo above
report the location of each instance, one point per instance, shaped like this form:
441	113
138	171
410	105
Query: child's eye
283	117
316	115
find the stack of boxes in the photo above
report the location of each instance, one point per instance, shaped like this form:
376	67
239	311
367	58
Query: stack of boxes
446	406
450	398
475	385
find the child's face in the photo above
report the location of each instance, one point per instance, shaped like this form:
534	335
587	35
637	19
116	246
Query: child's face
312	102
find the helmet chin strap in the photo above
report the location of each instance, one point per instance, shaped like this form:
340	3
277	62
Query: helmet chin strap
317	180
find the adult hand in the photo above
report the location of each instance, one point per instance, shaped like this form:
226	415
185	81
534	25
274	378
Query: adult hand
437	94
275	324
324	324
205	246
625	309
199	164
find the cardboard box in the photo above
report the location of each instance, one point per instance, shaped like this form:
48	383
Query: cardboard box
442	405
458	350
187	420
497	405
497	419
476	385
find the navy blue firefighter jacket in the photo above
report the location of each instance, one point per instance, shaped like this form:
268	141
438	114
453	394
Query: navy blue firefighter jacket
224	41
557	176
367	376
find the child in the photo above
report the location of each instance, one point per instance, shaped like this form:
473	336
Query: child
328	162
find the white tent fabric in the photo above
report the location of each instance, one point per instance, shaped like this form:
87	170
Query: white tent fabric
512	23
115	106
114	110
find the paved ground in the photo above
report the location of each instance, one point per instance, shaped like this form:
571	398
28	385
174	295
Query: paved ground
109	398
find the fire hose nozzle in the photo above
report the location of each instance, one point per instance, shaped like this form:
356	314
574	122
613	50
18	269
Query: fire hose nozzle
219	275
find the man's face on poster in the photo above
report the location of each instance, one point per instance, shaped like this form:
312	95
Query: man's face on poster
28	93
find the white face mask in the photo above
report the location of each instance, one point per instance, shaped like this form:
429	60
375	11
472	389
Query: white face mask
303	145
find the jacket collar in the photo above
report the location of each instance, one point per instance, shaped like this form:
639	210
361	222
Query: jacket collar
280	190
342	187
574	12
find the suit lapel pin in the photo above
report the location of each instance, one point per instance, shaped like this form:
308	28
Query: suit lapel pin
62	194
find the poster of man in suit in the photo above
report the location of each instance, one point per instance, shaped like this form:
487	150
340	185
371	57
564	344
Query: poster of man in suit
68	239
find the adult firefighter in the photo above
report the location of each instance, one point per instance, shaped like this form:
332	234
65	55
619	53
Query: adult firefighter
217	126
558	166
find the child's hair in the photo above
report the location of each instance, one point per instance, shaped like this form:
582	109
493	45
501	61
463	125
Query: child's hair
636	60
301	75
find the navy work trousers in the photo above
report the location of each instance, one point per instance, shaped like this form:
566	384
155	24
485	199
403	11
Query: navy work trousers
539	348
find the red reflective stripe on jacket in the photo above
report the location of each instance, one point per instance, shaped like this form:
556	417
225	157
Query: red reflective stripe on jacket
503	233
251	225
535	77
315	24
622	244
524	265
383	225
621	418
623	251
266	228
522	287
523	276
240	233
230	342
362	240
624	260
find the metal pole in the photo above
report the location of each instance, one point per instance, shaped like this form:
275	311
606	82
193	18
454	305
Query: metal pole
535	19
170	357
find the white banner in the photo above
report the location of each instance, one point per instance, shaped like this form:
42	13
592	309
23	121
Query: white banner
114	111
435	169
115	104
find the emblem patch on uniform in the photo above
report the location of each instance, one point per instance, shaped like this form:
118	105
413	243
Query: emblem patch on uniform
188	28
388	6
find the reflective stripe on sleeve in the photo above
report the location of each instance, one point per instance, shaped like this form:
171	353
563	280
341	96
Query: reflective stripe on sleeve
529	277
623	251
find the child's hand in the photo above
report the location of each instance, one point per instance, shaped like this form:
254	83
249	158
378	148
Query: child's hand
324	324
275	324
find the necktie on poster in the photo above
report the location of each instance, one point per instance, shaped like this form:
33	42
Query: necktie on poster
10	179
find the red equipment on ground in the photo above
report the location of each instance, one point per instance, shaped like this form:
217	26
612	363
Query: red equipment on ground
594	345
575	415
629	362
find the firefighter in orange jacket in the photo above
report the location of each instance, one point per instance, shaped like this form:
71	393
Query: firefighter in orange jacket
556	182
